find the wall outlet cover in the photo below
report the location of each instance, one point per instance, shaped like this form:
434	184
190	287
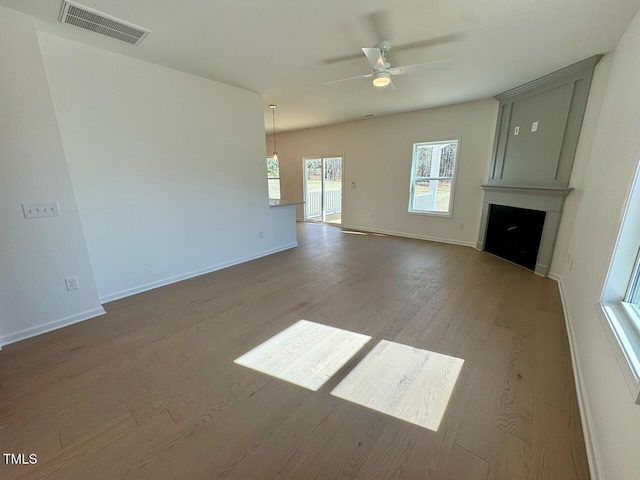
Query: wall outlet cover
71	283
41	209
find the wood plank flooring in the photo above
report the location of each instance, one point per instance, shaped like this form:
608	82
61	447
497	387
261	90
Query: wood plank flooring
405	382
306	354
150	390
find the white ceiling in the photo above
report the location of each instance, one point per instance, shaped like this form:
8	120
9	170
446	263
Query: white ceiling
279	48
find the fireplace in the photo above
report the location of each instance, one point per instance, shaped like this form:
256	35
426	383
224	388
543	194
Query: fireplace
541	206
514	234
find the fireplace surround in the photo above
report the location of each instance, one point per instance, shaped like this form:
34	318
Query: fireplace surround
543	199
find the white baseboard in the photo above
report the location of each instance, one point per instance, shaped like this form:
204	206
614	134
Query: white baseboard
184	276
49	326
410	235
590	440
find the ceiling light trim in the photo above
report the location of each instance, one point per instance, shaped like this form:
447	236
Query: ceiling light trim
381	78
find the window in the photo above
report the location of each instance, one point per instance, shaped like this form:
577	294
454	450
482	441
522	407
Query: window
632	297
273	177
432	177
620	303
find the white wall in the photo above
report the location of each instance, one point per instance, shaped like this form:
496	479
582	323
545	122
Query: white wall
611	165
377	155
169	168
35	254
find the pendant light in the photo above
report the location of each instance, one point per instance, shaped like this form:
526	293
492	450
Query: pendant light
275	149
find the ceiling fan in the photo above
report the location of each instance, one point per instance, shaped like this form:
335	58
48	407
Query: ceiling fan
382	70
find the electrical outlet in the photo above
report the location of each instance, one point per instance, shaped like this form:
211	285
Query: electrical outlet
71	283
260	234
39	210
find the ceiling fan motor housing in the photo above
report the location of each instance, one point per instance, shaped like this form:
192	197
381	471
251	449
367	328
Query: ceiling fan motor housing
383	46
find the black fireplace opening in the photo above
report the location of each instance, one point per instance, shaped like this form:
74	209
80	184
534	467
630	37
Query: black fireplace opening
514	234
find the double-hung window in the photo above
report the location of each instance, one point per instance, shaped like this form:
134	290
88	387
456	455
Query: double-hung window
273	177
433	171
620	303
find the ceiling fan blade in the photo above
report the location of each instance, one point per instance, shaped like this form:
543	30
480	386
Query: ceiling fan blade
389	88
342	58
430	42
350	78
421	67
375	58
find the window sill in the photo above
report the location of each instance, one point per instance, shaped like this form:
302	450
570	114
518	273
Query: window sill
431	214
619	320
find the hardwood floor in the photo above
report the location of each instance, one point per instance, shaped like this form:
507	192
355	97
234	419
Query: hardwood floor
306	354
405	382
150	390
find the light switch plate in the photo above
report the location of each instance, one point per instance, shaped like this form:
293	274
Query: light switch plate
516	130
42	209
534	127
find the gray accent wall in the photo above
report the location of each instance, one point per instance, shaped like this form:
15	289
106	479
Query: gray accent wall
557	103
530	167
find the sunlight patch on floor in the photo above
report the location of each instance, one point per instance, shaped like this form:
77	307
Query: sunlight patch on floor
404	382
306	354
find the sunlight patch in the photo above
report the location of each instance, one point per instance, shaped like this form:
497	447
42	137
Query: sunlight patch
405	382
306	354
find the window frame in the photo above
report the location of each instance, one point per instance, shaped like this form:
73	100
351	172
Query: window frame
273	178
621	318
412	178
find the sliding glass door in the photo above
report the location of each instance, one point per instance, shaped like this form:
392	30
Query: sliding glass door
323	189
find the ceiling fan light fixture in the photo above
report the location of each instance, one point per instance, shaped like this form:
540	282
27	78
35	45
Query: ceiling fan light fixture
381	79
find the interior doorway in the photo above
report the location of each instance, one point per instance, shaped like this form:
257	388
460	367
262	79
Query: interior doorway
323	189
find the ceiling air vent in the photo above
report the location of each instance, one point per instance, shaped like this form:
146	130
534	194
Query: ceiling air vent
99	22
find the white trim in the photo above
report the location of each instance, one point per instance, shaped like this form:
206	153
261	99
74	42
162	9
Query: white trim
557	277
49	326
449	212
322	158
588	429
184	276
620	329
411	235
554	276
430	213
620	332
